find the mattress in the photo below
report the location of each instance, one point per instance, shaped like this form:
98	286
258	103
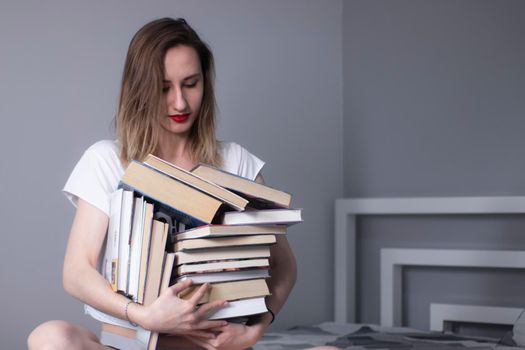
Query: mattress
360	337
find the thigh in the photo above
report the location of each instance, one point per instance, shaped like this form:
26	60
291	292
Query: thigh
117	341
63	335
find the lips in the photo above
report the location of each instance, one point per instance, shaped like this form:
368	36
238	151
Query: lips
179	118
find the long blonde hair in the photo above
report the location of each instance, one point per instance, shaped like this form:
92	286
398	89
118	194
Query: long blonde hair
140	103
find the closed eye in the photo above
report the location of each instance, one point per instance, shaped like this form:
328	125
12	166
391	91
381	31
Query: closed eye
190	85
191	81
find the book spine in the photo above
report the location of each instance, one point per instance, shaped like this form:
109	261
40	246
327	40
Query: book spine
179	215
200	189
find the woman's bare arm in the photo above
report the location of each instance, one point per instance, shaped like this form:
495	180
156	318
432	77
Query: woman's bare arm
82	280
80	276
284	274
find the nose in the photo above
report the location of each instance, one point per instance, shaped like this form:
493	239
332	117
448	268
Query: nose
177	100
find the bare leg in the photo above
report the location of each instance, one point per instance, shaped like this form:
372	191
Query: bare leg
58	335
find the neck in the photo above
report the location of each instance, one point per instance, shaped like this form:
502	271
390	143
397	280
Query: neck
174	149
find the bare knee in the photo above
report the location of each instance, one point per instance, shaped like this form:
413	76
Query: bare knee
50	335
58	335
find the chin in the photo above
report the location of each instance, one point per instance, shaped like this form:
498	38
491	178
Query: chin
179	130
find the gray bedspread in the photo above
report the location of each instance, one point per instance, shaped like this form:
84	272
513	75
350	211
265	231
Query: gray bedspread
360	337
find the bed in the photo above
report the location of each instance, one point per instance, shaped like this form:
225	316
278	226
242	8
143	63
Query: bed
360	337
345	334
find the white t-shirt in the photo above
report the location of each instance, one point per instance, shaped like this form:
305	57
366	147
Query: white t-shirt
98	172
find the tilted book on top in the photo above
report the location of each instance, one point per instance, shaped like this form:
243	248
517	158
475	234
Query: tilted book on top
185	203
191	179
260	196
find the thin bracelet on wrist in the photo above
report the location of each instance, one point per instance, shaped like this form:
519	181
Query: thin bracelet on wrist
257	318
127	316
271	313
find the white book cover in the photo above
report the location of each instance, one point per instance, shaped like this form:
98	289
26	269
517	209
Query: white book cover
136	248
142	338
263	217
110	261
212	231
124	236
238	308
222	266
226	276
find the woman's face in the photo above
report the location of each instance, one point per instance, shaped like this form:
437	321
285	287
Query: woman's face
182	90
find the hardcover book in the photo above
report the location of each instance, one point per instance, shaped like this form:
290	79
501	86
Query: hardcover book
184	202
191	179
230	290
222	265
222	242
264	217
209	231
110	261
225	276
260	196
207	255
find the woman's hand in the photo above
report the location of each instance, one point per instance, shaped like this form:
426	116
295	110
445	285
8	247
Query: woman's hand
172	315
230	337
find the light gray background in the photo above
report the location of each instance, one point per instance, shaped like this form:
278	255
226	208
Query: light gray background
279	94
396	98
434	106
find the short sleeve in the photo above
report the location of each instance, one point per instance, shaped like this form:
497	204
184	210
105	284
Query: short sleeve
250	166
94	178
239	161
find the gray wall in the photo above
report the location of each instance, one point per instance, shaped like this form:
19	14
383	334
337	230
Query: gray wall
279	93
434	106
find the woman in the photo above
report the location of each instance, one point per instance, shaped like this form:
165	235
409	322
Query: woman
166	108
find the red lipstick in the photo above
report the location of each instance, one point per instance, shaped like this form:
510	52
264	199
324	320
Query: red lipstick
179	118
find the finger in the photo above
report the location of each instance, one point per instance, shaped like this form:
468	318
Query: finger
197	296
211	324
180	286
206	308
202	334
218	329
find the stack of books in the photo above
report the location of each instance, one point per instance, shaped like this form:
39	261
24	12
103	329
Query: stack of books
168	225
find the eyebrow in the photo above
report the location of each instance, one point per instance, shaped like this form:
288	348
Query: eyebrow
196	75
